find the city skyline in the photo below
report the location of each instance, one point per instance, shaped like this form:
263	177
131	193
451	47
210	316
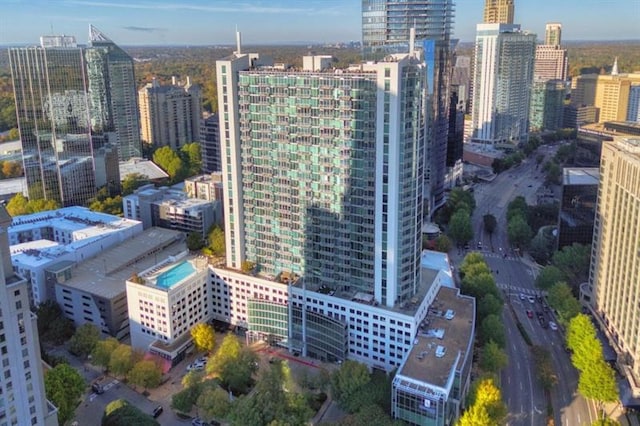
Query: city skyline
196	22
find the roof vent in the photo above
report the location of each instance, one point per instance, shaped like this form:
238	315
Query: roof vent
449	314
440	351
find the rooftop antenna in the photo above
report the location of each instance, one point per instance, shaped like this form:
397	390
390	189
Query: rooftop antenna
238	42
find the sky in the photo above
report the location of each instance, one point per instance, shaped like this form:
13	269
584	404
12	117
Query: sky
213	22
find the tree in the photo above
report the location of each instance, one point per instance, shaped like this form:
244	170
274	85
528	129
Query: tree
519	231
53	326
203	337
192	378
349	380
17	205
442	244
487	407
489	304
237	374
598	382
133	181
217	242
472	259
101	354
84	340
544	367
146	374
574	262
548	277
460	199
63	386
493	358
183	401
121	413
194	241
192	158
476	415
561	299
228	351
583	341
11	169
213	402
480	285
109	205
170	162
491	328
247	266
490	223
554	173
460	226
542	246
121	361
517	207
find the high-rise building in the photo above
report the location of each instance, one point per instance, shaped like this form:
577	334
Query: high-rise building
633	111
22	384
170	114
551	63
553	34
547	105
498	12
577	205
386	28
614	272
71	102
612	96
503	75
300	151
210	144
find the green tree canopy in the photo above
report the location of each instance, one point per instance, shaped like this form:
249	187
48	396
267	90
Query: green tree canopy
460	226
472	259
203	337
195	241
216	242
544	367
598	382
19	205
561	299
84	340
583	341
122	360
480	285
548	277
493	358
487	407
442	244
489	304
133	181
53	326
213	402
101	354
170	162
192	158
347	382
517	207
491	328
574	262
63	386
146	374
519	231
121	413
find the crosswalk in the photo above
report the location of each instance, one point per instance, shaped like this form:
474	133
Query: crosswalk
517	290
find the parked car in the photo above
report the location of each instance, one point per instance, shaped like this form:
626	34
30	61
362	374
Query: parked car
196	366
198	422
553	325
522	296
97	388
157	411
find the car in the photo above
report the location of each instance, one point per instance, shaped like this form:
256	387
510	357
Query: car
529	313
542	322
195	366
479	245
522	296
97	388
553	325
529	186
157	411
532	299
466	246
198	422
202	360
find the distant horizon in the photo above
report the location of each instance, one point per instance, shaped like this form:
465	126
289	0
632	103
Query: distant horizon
282	22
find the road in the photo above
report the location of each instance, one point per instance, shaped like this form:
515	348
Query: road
523	395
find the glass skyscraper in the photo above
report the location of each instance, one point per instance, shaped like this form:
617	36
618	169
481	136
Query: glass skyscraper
386	29
324	173
71	102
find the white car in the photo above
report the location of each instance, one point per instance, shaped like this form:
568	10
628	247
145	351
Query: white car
553	325
195	366
532	299
522	296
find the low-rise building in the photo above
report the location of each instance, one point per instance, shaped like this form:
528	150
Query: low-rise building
433	380
72	234
94	290
165	301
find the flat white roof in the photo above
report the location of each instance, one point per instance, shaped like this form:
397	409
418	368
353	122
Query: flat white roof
144	167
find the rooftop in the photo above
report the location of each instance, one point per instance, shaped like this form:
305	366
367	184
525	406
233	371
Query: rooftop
171	271
144	167
105	275
71	219
445	333
581	176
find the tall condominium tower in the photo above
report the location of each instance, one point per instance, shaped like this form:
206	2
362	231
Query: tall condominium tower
386	28
70	103
324	172
553	34
210	144
503	75
614	273
498	12
170	114
22	384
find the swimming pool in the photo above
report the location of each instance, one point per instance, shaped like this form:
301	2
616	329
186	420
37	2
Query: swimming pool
174	275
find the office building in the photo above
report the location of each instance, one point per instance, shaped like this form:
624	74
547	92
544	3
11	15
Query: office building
210	144
547	105
434	378
170	114
70	102
172	208
553	34
551	63
503	75
633	111
577	206
93	290
461	80
164	302
574	117
614	272
22	385
386	28
498	12
43	239
612	96
205	187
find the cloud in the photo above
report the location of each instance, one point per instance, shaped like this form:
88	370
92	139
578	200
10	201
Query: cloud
144	29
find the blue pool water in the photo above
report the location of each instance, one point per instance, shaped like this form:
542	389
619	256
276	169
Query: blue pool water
174	275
